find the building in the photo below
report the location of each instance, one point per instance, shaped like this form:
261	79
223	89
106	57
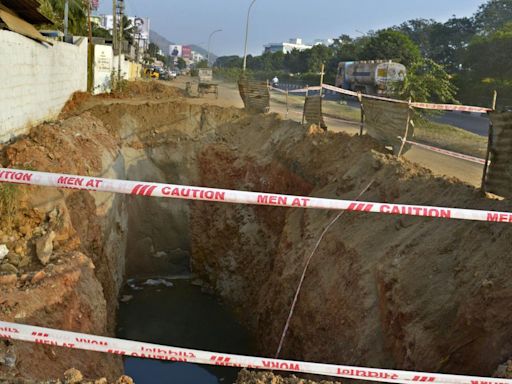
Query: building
287	47
297	43
197	57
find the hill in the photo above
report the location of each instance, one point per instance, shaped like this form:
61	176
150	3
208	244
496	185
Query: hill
163	43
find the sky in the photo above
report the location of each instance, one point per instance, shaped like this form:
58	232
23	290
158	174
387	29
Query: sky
274	21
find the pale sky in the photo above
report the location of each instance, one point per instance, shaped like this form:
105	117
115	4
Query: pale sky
192	21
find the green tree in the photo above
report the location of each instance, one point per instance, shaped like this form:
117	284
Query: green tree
426	80
153	49
128	30
493	15
202	64
389	44
487	68
182	64
54	10
97	31
229	62
318	55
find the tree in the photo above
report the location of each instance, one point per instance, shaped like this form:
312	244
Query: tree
318	55
229	62
202	64
389	44
153	49
420	32
54	10
493	15
128	30
487	68
182	64
97	31
427	81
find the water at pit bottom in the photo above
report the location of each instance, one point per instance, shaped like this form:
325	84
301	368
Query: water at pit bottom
180	316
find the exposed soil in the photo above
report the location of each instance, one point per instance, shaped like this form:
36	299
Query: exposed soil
381	291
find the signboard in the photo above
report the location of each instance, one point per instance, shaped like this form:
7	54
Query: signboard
186	52
140	27
175	50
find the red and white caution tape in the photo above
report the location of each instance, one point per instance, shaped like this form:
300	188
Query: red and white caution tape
278	89
240	197
355	94
451	107
438	107
449	153
74	340
339	90
302	90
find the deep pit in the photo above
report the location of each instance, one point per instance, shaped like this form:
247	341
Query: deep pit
382	291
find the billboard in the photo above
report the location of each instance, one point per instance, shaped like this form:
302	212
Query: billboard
176	50
140	27
95	4
186	52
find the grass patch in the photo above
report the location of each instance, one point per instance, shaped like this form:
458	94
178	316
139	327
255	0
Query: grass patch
330	108
451	138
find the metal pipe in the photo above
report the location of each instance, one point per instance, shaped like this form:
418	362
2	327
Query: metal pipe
209	42
247	34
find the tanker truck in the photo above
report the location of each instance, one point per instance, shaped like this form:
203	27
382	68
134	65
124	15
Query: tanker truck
370	77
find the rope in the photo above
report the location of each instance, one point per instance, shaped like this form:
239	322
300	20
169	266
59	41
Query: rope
294	303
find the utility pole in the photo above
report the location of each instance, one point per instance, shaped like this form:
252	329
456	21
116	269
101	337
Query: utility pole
120	16
89	23
66	17
114	26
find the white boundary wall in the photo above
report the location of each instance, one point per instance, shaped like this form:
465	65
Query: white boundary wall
36	80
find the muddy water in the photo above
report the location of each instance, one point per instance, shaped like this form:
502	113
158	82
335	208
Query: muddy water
176	313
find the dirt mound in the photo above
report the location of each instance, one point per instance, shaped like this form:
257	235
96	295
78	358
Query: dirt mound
152	89
249	377
147	90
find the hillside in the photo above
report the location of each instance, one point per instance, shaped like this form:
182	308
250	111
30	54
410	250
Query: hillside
163	43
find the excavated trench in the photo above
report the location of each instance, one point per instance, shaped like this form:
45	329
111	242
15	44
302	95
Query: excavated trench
381	291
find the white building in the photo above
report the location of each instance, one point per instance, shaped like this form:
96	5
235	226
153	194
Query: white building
287	47
197	57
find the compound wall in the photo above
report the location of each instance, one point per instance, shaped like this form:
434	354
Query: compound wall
36	80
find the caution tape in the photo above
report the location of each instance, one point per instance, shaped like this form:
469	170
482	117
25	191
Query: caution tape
449	153
302	90
82	341
438	107
241	197
451	107
278	89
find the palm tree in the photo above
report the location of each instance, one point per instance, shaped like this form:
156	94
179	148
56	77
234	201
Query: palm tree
54	10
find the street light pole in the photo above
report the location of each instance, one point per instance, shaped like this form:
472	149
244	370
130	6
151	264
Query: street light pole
209	43
247	34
